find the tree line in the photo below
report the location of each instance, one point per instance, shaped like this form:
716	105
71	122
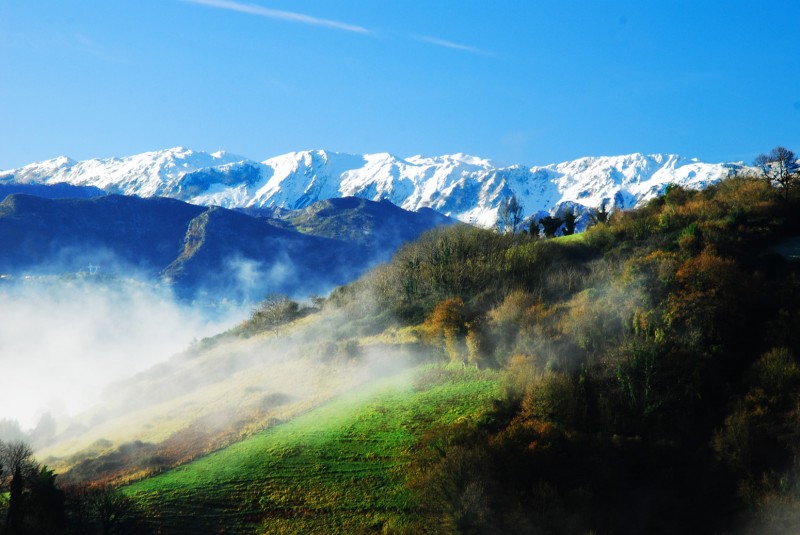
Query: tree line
33	503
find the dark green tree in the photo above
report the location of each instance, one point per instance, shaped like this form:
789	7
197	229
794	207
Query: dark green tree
44	505
600	215
569	223
550	225
16	498
534	228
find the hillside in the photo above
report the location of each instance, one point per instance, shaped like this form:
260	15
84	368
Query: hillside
205	253
464	187
344	467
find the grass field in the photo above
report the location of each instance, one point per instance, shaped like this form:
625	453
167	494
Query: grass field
340	468
572	238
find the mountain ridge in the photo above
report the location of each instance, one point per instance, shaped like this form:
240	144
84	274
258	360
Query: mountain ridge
204	252
468	188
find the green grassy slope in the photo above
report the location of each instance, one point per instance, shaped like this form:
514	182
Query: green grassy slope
340	468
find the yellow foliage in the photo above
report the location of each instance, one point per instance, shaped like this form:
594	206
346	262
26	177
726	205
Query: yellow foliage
512	308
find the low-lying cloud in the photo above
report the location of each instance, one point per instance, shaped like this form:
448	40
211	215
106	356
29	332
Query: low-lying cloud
62	342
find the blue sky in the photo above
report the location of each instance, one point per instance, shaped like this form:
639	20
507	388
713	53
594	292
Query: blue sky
528	82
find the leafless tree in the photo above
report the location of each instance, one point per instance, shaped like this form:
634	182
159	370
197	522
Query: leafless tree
509	215
16	455
780	167
275	311
102	510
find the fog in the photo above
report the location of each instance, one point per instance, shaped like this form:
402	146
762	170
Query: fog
62	341
143	397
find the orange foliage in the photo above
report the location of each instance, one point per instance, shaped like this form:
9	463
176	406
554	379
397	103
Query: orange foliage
447	325
710	296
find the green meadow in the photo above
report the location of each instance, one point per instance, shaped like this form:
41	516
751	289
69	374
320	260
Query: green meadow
343	467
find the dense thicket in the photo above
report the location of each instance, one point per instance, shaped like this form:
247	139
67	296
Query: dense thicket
653	383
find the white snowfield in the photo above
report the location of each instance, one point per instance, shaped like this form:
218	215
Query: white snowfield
465	187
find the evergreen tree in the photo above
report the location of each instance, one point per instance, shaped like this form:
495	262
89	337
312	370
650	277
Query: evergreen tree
534	228
16	498
550	225
569	223
45	506
600	215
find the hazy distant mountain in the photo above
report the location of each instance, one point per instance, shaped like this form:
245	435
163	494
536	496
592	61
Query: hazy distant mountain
51	191
207	252
461	186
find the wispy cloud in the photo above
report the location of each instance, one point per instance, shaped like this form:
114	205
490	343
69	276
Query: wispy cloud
278	14
62	42
450	44
87	45
302	18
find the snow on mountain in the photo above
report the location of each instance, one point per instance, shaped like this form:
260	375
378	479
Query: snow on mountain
462	186
150	174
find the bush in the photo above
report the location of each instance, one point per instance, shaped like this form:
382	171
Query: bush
551	399
272	313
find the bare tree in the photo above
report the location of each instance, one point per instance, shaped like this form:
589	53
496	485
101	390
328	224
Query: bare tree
780	167
16	455
509	215
275	311
102	510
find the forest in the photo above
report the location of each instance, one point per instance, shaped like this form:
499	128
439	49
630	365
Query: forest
651	365
648	370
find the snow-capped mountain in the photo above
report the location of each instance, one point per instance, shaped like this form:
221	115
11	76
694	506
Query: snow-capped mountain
465	187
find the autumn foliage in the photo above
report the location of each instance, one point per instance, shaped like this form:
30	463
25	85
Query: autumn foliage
651	365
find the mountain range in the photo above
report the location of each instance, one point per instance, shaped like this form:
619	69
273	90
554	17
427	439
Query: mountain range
464	187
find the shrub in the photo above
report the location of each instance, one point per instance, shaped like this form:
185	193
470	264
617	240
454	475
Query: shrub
551	399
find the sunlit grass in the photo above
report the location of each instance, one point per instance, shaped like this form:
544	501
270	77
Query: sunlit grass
572	238
339	468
